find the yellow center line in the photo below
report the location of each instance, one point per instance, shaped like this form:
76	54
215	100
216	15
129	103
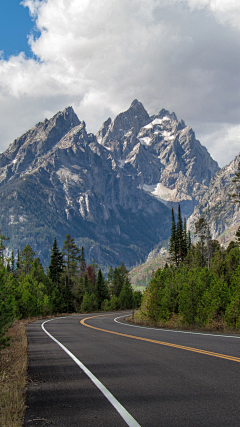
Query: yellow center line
182	347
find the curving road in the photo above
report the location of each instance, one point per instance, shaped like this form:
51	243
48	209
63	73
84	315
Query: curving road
109	373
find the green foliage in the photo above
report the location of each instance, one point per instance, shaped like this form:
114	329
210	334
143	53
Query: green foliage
126	295
101	289
6	309
115	304
180	241
119	276
199	295
68	285
137	299
89	303
56	263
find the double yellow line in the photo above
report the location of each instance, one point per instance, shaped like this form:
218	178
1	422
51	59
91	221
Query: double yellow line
182	347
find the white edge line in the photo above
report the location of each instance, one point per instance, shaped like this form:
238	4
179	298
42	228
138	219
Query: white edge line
131	422
173	330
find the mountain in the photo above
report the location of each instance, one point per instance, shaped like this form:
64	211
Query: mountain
111	191
219	210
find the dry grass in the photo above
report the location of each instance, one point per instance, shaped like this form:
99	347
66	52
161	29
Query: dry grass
176	322
13	376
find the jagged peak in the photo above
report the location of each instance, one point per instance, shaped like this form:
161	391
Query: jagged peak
165	113
136	102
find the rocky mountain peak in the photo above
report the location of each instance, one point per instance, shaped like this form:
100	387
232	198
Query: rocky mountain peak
36	142
112	191
165	113
131	120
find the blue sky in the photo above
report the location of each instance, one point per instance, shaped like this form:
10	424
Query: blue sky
15	25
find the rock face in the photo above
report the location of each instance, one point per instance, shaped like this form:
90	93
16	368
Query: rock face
219	210
162	153
112	192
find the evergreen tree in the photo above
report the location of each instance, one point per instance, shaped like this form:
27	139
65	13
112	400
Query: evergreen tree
110	275
238	236
185	241
82	261
6	310
56	263
119	276
126	295
172	245
12	262
71	257
27	257
18	260
179	238
101	289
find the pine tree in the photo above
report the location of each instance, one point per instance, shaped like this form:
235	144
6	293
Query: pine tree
18	260
172	244
179	238
6	310
27	257
12	262
101	288
185	241
126	295
56	263
70	256
82	261
119	276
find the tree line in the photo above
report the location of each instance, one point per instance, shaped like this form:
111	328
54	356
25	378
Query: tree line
67	285
200	286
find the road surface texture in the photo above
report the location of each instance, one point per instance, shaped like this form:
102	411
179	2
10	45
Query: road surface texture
160	377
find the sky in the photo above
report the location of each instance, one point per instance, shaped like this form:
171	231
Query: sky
98	56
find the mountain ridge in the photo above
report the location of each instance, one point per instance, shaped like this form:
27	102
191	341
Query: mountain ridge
111	191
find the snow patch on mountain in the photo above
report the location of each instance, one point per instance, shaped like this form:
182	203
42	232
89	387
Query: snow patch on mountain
160	191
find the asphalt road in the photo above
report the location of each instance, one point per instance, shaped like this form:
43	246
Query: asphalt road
180	379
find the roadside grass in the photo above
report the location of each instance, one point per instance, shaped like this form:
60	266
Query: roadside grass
176	322
13	376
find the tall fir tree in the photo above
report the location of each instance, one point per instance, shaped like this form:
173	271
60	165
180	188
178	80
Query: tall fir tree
101	288
172	244
185	240
179	238
12	263
56	263
71	257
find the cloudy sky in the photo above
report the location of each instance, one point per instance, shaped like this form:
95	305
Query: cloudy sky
182	55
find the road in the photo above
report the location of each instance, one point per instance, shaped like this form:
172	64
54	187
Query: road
156	377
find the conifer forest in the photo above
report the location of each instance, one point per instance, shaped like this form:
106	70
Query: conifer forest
200	286
68	285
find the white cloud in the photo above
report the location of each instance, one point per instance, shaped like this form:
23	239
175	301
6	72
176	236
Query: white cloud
224	140
99	56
